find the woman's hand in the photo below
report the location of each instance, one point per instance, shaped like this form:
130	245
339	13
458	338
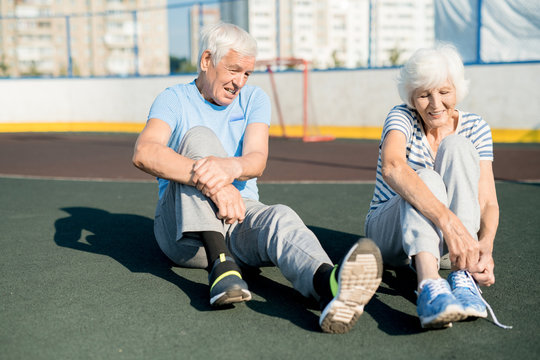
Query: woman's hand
463	248
485	276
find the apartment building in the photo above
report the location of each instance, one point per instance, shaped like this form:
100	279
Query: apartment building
199	17
398	27
336	33
83	37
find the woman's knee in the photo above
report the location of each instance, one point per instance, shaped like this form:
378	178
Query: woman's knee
456	145
434	182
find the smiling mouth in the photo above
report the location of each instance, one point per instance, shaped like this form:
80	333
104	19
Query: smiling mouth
231	91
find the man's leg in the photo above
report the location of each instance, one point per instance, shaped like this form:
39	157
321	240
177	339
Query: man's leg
275	235
186	219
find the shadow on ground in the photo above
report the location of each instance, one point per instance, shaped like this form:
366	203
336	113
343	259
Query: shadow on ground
129	240
395	282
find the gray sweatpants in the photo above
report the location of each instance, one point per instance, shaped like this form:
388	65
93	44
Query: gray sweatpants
401	231
269	235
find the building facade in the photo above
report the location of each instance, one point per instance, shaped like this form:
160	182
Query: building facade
83	37
336	33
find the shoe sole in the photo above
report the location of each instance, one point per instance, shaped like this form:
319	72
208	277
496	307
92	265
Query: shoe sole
230	297
359	277
444	319
476	313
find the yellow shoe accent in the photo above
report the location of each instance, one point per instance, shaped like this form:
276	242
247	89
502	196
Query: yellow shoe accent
225	274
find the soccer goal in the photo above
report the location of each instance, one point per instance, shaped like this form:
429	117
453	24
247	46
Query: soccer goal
290	92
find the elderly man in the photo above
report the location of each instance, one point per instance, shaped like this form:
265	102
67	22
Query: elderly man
207	142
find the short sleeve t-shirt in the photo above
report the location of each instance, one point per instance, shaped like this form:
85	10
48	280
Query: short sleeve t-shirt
419	154
182	107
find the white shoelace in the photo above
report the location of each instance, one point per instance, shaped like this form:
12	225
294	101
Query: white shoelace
469	279
436	287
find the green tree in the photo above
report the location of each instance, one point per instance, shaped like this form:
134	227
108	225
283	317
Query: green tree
394	56
181	65
3	67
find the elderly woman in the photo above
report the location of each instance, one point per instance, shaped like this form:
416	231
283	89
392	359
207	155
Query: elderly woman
435	191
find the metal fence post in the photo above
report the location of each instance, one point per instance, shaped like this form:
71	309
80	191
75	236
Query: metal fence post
369	34
68	45
135	43
478	32
278	31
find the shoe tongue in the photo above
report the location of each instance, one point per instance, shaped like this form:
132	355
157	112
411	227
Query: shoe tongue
334	286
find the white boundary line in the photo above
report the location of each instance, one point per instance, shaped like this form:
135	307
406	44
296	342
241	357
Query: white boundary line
270	182
66	178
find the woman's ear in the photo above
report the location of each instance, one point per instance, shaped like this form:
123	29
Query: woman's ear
206	58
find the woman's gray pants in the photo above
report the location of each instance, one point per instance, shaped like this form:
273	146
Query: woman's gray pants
269	235
401	231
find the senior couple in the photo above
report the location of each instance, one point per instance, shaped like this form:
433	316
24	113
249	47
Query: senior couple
207	142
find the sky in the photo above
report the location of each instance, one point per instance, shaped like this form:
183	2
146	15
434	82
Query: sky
179	29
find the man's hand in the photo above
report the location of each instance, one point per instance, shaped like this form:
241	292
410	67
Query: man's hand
230	204
211	174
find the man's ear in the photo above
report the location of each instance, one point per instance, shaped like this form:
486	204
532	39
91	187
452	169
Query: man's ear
206	58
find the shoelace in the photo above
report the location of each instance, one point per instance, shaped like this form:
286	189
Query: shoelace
436	287
465	279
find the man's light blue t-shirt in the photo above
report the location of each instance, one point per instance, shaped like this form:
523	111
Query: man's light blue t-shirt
182	107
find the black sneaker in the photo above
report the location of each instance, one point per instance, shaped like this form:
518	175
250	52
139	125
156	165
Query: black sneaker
226	283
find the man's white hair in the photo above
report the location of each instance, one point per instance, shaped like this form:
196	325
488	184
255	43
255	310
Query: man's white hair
219	38
429	68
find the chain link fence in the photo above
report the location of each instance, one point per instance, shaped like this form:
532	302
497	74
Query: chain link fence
153	37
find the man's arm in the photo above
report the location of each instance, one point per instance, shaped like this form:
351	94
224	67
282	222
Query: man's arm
211	174
153	156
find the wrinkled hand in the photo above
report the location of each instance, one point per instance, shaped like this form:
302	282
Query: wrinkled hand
211	174
485	276
463	248
231	207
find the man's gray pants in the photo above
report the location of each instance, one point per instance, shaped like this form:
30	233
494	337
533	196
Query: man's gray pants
269	235
401	231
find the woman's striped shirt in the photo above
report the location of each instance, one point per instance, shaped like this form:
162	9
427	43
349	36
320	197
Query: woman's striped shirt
419	154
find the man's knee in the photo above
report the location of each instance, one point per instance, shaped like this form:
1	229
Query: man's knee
200	142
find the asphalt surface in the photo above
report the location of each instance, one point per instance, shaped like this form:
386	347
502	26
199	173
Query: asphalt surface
108	156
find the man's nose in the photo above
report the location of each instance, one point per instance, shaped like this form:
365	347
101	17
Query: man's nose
239	80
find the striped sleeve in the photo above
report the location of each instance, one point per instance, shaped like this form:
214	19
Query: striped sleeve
400	119
478	131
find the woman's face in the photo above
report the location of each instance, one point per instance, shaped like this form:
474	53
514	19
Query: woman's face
436	106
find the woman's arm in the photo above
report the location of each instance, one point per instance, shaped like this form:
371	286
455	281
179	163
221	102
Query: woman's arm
464	252
489	222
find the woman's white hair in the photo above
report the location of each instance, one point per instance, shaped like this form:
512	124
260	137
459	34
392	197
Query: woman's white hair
219	38
429	68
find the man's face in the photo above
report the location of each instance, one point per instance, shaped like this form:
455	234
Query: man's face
222	83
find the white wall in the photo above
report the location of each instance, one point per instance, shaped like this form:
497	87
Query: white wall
507	96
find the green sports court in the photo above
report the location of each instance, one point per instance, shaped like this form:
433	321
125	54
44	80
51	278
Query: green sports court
83	278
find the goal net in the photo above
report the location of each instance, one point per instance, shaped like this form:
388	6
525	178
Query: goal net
291	96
